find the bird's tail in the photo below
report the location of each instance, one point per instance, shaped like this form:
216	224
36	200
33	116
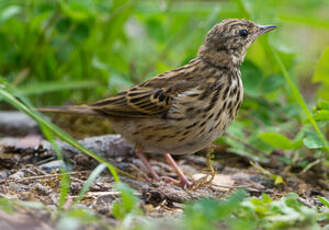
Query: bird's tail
75	109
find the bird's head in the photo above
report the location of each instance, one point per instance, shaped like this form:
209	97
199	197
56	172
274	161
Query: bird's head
227	42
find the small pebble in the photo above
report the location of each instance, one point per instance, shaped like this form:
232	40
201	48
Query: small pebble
52	165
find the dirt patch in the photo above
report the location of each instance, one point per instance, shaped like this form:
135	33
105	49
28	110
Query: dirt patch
29	171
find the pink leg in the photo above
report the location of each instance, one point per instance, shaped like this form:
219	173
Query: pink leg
184	182
142	157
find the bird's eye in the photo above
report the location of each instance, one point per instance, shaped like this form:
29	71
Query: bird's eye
243	33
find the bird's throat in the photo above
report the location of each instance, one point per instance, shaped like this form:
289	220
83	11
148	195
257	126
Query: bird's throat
222	58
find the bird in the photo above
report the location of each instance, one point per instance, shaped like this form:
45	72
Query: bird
184	110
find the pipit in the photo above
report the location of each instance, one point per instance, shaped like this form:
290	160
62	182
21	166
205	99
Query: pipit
183	110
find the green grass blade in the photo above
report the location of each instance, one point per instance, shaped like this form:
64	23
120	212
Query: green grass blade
65	179
93	176
12	90
57	131
324	201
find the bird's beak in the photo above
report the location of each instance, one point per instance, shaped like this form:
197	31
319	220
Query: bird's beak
265	29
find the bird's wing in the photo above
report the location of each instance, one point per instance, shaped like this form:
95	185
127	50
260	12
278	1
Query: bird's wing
153	97
136	102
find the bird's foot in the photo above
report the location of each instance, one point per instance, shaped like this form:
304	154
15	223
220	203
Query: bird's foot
212	171
183	182
203	181
207	180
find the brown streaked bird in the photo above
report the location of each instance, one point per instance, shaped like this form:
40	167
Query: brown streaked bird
184	110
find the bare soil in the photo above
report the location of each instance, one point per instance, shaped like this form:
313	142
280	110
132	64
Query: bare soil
29	171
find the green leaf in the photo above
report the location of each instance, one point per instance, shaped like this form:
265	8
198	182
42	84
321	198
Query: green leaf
204	213
323	105
321	115
277	140
312	140
297	144
286	213
77	10
278	180
272	83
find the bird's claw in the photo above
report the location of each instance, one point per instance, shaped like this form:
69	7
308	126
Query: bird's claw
183	183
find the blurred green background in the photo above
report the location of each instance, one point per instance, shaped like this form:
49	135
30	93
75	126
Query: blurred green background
77	51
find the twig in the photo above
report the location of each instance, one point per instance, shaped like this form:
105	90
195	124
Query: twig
309	166
48	176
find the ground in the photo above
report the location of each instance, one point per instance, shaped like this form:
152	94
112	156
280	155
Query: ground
29	171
